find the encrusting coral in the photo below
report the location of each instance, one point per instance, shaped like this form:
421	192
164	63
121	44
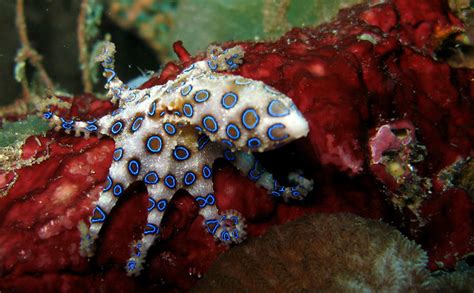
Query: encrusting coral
322	252
372	66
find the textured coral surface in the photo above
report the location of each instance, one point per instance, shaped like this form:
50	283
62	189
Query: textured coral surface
371	67
295	257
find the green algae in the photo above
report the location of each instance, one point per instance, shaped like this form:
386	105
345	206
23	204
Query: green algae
15	133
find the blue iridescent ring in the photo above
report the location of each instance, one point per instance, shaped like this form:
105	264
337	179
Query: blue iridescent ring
180	153
154	144
201	96
118	154
137	123
161	205
116	127
188	110
229	100
169	128
250	114
151	178
232	131
272	128
109	184
134	167
118	189
277	109
189	178
170	181
206	172
254	142
210	120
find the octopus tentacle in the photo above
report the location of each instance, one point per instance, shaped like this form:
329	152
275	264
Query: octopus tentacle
116	184
248	165
159	198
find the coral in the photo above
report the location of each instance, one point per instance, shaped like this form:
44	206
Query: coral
332	253
394	153
374	65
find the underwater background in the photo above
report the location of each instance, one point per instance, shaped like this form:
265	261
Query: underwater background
372	190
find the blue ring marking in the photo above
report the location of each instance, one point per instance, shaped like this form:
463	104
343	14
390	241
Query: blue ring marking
138	248
225	237
117	111
169	128
235	234
186	90
242	81
229	155
102	214
209	63
134	167
152	110
227	142
206	172
276	194
161	205
189	178
210	199
177	113
47	115
203	140
131	265
188	110
234	97
68	125
91	126
235	219
201	100
189	68
295	192
152	204
112	76
109	184
118	189
273	127
118	154
151	178
210	228
172	184
253	173
244	118
148	144
137	123
151	229
198	128
116	127
254	142
234	127
162	113
277	103
176	155
213	120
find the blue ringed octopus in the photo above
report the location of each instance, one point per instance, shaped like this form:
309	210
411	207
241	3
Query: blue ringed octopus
168	137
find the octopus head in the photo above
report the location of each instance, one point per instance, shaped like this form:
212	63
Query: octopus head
272	122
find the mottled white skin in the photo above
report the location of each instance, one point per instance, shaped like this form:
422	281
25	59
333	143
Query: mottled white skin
167	104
